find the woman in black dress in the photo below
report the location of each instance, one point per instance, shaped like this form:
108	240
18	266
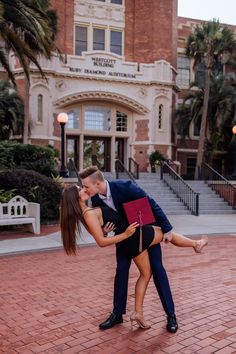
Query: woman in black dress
74	211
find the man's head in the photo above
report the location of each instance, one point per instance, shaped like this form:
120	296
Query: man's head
93	180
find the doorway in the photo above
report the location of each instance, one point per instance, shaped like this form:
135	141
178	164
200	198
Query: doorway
120	149
97	151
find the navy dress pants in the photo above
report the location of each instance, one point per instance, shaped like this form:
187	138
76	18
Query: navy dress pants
159	277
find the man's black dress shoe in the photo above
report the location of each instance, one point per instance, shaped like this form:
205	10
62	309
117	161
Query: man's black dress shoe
111	321
172	325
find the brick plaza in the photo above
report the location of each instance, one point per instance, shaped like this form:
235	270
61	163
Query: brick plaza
52	303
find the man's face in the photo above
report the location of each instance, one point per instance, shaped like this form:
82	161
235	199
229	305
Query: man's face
91	186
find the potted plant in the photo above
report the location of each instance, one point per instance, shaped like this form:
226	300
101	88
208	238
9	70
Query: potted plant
156	158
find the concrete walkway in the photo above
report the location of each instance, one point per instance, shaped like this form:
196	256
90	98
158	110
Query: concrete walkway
185	224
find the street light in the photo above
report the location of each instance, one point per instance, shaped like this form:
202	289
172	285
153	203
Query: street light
62	119
234	132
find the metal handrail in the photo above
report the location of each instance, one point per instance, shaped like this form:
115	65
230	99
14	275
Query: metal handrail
120	168
219	184
72	169
184	192
133	165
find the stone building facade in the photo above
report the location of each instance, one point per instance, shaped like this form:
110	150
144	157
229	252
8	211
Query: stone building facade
116	82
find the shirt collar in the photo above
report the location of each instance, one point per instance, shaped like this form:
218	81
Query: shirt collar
108	195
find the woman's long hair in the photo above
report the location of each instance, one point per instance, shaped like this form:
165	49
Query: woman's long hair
70	218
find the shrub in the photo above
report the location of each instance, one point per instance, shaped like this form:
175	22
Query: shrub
27	156
35	188
156	158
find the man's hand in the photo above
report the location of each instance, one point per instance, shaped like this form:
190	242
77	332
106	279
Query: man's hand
108	228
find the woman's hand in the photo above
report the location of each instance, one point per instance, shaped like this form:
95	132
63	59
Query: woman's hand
131	229
108	228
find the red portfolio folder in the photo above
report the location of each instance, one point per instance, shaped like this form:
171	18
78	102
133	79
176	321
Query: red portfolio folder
139	211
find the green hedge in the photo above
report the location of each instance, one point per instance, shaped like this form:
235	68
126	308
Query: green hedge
26	156
35	188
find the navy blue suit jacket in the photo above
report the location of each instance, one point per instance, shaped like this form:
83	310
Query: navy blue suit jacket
123	191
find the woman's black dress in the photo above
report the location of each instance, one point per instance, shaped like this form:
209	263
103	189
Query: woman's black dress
129	246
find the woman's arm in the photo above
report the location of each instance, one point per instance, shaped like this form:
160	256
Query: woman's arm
94	226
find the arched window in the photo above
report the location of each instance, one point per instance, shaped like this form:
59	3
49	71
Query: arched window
40	108
160	116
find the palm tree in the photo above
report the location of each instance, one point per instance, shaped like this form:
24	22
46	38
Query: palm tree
11	111
209	43
221	110
28	29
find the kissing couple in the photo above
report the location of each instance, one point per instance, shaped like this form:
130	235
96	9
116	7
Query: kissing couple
106	214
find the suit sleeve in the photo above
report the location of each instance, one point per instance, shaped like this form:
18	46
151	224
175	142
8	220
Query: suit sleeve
135	192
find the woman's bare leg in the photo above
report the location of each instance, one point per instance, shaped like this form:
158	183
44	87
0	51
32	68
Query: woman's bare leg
144	267
180	240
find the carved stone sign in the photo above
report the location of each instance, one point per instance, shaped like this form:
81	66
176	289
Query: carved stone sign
101	66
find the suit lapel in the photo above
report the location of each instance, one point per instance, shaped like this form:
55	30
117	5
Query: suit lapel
115	196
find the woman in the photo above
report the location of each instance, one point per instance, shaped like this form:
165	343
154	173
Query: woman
74	211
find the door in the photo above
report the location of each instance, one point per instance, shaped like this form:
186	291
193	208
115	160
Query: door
120	149
97	151
72	150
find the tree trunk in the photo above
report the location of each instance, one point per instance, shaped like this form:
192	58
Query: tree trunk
26	118
202	137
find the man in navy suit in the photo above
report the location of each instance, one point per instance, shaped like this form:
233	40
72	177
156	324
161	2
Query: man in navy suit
114	194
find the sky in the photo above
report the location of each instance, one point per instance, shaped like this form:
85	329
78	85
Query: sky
224	10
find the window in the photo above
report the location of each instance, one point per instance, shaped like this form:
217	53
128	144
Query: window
73	119
183	68
197	127
121	122
97	118
40	108
160	116
81	40
217	70
116	42
98	39
200	74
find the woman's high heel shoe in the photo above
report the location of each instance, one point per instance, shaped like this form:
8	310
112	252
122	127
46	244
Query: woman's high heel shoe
201	244
139	320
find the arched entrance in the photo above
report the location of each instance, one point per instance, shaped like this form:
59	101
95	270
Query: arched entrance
100	128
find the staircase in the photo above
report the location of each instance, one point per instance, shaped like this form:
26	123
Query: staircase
209	201
159	191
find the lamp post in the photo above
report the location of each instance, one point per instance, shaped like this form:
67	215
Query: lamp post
234	132
62	119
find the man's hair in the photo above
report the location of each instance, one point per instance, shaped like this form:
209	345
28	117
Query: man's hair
93	172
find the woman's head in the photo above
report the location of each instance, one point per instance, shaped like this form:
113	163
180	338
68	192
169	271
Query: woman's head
71	216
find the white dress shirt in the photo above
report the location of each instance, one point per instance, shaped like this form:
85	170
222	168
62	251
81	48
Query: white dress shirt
107	199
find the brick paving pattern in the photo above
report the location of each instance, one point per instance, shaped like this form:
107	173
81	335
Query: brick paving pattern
51	303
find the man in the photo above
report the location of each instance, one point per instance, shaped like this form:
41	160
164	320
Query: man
114	194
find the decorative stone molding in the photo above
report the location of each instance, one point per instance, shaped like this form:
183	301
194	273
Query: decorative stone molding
117	98
105	11
142	93
61	85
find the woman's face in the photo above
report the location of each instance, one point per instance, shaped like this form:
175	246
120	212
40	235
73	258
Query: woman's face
83	195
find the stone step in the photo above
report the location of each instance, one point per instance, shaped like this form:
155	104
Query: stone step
209	201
